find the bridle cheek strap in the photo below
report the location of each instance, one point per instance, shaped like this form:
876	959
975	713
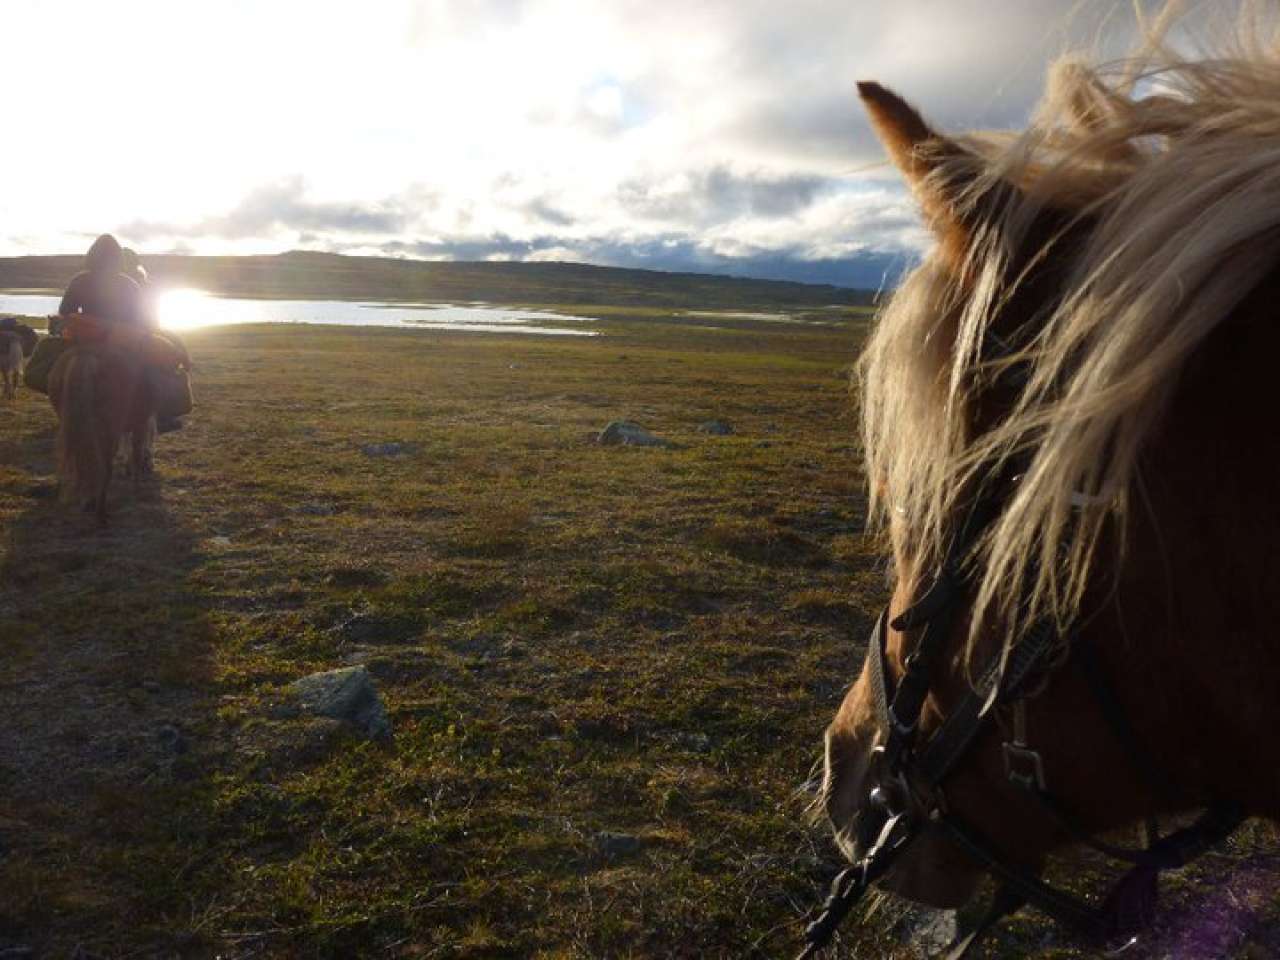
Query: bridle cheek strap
924	768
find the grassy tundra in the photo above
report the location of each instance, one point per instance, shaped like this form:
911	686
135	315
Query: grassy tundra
574	643
571	640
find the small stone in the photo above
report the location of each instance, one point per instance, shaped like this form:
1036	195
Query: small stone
928	932
318	509
172	740
717	428
390	449
346	694
627	433
150	686
617	844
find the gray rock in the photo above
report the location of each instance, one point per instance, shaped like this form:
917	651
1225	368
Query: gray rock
391	449
346	694
717	428
16	953
928	932
617	844
171	740
627	433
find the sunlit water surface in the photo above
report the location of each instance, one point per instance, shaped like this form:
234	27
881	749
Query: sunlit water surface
192	309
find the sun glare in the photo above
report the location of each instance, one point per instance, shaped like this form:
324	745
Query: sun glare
185	308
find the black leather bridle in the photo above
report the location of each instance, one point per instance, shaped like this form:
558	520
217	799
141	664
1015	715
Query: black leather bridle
909	775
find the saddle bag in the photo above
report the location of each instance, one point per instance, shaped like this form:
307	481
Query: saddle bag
45	355
171	389
163	356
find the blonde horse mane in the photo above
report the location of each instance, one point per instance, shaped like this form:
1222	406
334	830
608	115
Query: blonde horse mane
1173	162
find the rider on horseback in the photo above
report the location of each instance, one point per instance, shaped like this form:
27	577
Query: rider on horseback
102	290
113	290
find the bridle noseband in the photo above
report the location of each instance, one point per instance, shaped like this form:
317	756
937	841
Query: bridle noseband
915	772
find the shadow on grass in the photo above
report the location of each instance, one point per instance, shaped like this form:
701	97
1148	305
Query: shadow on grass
106	706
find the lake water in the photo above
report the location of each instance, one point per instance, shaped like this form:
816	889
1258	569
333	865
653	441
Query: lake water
192	309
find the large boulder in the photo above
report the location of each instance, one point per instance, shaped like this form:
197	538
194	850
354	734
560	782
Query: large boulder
347	694
628	433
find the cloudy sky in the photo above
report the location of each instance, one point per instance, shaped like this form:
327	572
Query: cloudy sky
674	134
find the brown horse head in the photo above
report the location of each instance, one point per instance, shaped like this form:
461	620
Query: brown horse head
1083	362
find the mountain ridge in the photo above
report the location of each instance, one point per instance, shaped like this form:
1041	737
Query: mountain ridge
308	274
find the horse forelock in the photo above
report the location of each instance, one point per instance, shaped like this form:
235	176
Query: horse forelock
1177	196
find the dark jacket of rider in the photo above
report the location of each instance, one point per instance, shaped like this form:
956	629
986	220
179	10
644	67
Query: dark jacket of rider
101	290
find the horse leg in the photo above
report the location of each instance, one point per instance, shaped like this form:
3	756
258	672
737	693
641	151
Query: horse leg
100	500
135	456
144	438
139	466
109	445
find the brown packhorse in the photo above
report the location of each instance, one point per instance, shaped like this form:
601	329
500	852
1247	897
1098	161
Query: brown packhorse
101	394
12	360
1068	424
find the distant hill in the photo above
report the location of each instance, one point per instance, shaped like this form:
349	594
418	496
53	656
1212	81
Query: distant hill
302	274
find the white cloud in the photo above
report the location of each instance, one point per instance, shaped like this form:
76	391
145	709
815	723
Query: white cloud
732	124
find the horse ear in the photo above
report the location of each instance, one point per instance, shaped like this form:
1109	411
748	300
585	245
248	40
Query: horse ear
919	152
900	128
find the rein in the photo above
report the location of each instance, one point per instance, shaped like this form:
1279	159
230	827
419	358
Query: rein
906	770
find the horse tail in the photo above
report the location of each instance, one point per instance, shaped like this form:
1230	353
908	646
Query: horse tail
80	450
